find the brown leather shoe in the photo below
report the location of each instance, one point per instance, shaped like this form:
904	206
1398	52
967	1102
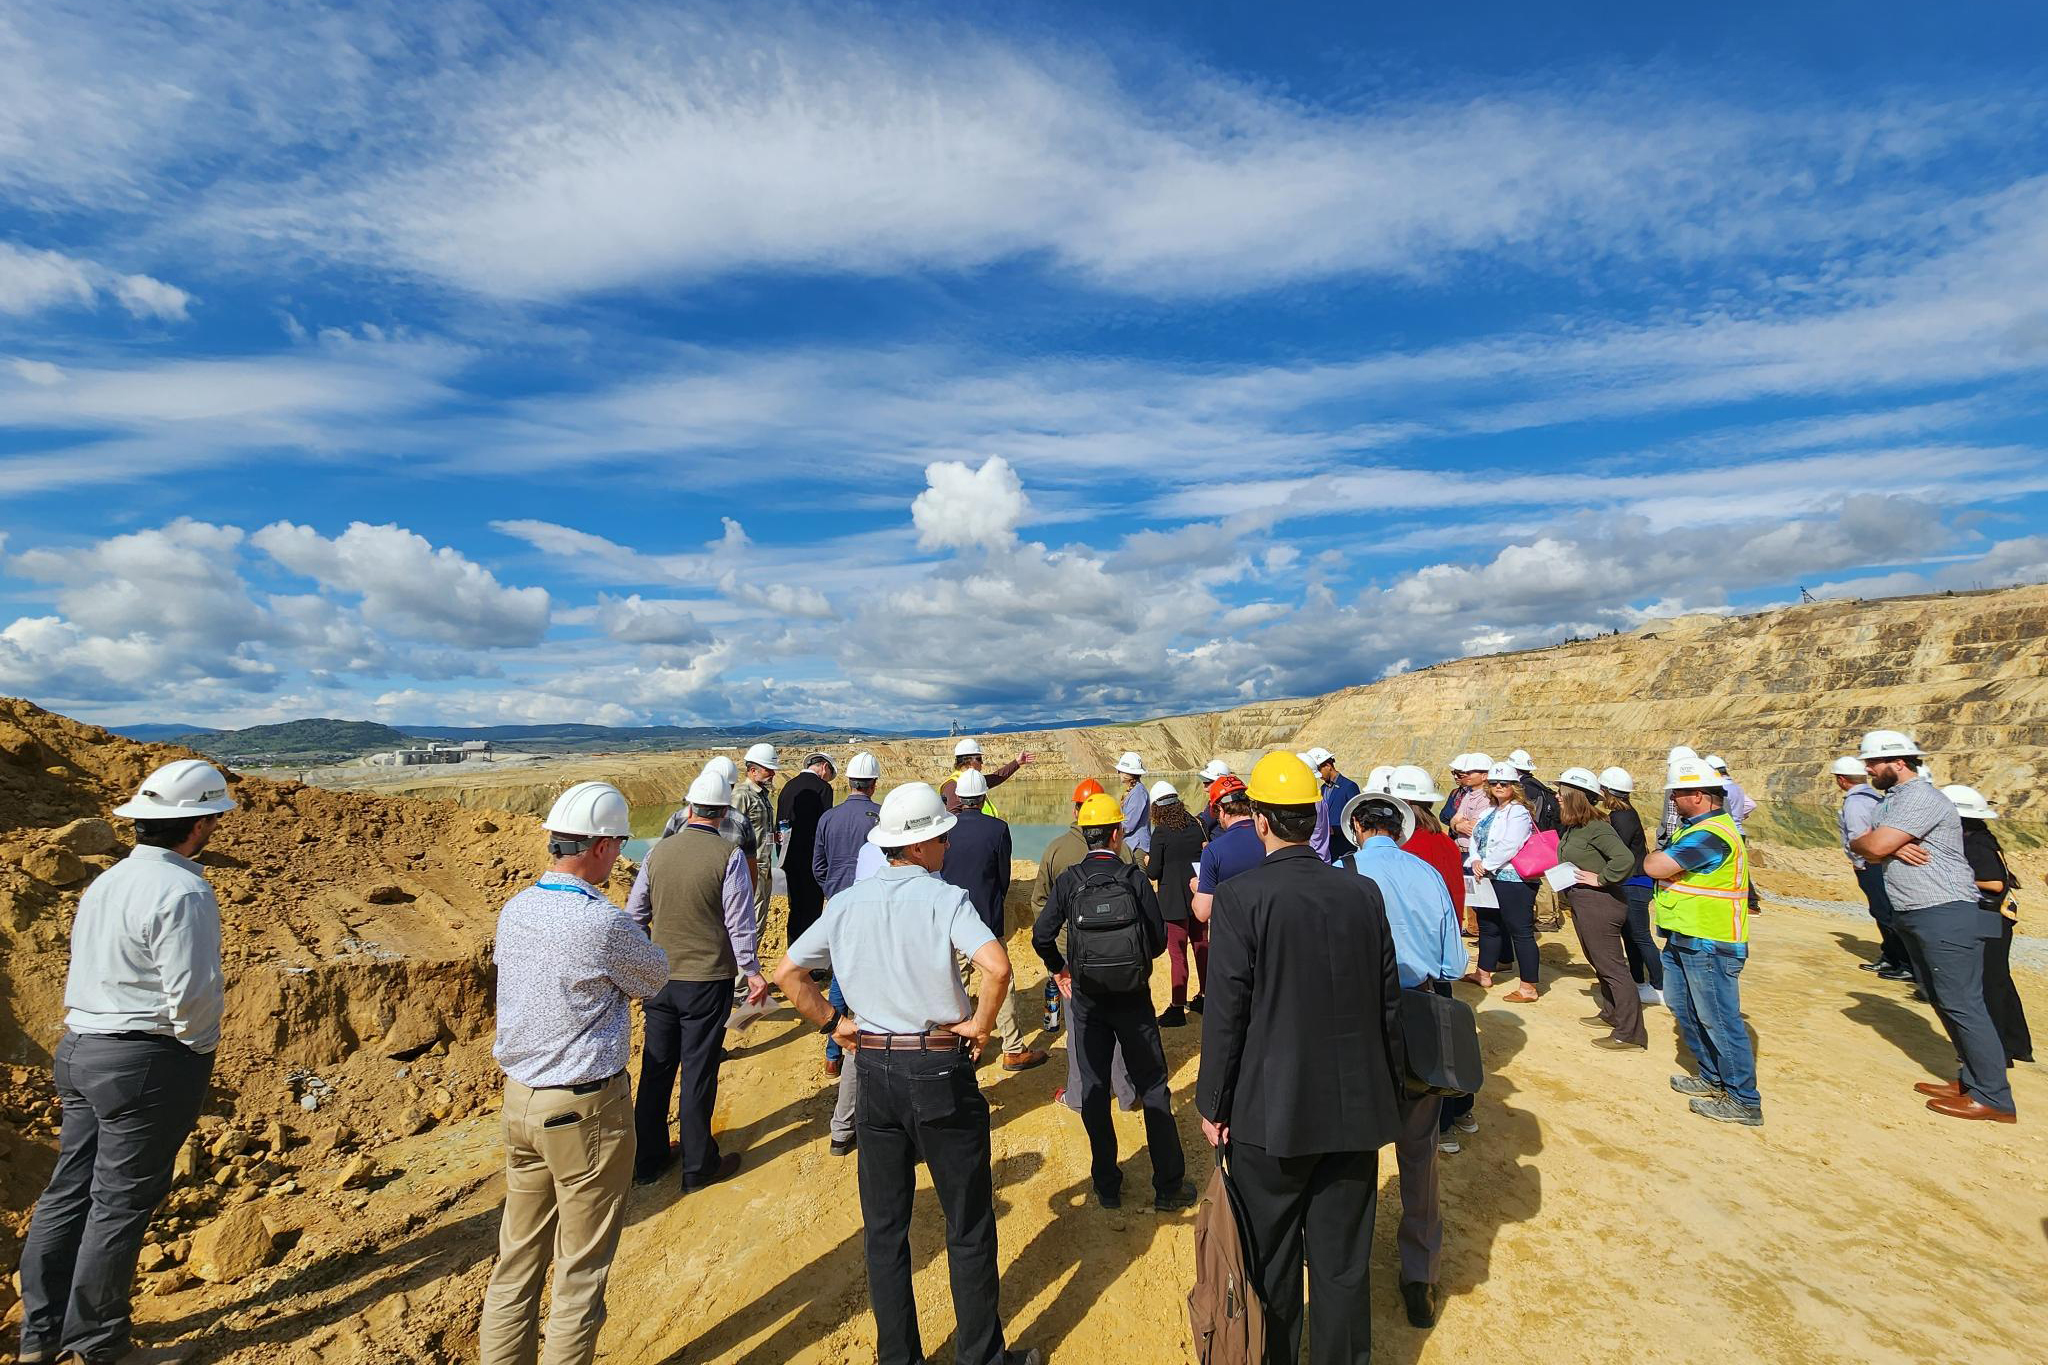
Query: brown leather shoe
1025	1060
1953	1089
834	1065
1963	1107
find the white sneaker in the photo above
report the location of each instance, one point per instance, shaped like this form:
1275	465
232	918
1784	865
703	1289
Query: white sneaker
1447	1143
1467	1122
1649	994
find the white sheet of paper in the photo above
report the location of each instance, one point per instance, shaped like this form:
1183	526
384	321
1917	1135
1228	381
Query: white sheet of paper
1480	893
1562	876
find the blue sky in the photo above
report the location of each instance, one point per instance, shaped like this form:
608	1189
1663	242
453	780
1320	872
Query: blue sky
895	365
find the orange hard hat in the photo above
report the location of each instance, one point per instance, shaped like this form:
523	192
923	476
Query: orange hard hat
1086	788
1224	786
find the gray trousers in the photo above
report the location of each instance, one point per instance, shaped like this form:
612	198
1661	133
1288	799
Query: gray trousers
849	1095
1946	945
1119	1076
1421	1237
129	1103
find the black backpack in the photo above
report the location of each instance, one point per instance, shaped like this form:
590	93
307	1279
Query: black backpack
1106	935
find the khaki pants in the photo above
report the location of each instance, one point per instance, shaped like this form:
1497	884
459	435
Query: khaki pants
568	1163
1006	1013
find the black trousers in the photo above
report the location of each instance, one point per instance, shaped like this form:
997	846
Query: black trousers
806	897
2008	1016
129	1103
927	1106
1100	1024
685	1025
1320	1209
1645	958
1513	923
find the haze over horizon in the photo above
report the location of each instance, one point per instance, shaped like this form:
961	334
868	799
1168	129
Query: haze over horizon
505	364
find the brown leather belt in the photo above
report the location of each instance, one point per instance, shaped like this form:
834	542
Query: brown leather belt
942	1041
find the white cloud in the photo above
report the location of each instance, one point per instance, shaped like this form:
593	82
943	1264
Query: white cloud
641	621
33	280
962	507
41	373
149	298
410	588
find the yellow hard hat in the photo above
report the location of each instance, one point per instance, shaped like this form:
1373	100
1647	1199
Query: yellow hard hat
1282	779
1100	809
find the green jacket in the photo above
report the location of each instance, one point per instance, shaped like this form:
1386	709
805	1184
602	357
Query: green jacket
1595	847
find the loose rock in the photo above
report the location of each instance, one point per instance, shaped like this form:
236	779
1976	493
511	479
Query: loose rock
231	1246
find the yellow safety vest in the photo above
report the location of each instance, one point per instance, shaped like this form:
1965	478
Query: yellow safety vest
1711	905
988	807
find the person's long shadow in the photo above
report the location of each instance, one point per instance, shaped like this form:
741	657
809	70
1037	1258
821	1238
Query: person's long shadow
1857	946
1906	1029
1060	1250
820	1296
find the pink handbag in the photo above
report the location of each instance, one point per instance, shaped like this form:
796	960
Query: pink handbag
1537	856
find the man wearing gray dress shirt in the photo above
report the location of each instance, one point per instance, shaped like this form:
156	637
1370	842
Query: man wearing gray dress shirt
143	1009
568	961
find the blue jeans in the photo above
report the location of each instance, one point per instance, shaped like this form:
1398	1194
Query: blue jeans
1703	991
1892	948
832	1048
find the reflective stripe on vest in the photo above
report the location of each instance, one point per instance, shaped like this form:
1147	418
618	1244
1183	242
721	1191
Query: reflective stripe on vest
1711	905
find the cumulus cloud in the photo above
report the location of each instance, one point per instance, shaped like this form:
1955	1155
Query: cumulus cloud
408	587
639	621
962	507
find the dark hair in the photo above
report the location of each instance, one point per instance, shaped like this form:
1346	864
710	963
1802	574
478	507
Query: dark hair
1912	761
1612	801
1098	836
1425	818
1376	815
1236	803
1291	824
1574	807
166	833
861	784
1170	815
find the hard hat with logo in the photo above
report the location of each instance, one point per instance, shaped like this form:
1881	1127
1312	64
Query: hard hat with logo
1131	763
1968	802
970	784
1887	744
1163	790
1317	756
863	768
712	788
910	815
1692	774
1582	778
967	748
1617	780
1381	804
1717	763
1227	785
1846	766
1504	772
1520	758
1086	788
1283	779
1099	809
593	810
763	756
1214	769
1411	782
1679	751
1377	779
179	791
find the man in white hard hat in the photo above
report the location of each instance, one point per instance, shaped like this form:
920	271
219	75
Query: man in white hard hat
753	800
967	757
1337	793
1917	837
701	913
835	856
568	961
1137	806
1467	805
1211	770
1702	906
143	1002
978	856
1542	800
1858	813
805	799
891	942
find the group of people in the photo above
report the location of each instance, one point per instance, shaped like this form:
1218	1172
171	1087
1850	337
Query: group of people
1306	903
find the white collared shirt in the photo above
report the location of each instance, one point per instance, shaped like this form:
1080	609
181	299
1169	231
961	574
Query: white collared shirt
145	952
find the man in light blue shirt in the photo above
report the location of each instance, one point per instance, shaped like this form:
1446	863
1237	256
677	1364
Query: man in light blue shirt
1429	952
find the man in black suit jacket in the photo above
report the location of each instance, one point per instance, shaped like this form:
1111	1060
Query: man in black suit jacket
978	862
1300	1067
805	799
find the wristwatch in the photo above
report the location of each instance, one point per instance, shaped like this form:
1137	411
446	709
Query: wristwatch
833	1022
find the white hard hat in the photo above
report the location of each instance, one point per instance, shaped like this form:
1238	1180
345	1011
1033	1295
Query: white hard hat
911	814
1967	802
1582	778
1846	766
1459	763
1503	772
1887	744
970	783
1478	763
1691	774
1131	763
763	756
863	768
1317	756
967	748
1214	769
1411	782
1400	807
1679	751
1162	790
712	788
1717	763
1377	780
1520	758
179	791
720	763
1617	780
593	810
